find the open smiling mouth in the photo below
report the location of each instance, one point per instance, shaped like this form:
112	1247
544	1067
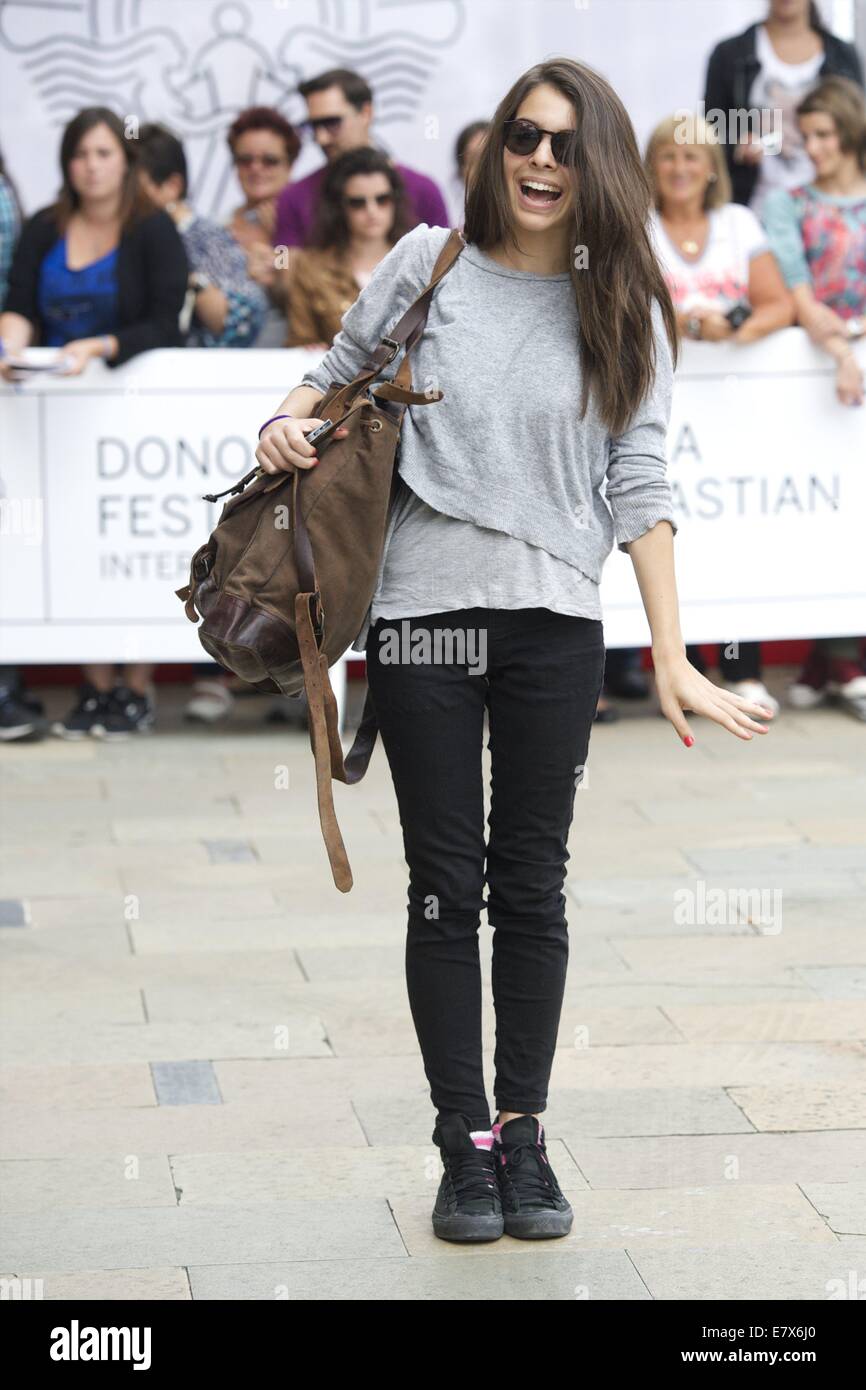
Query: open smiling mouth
539	193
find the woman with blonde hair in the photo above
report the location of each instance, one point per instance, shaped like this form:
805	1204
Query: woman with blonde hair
555	377
725	284
722	275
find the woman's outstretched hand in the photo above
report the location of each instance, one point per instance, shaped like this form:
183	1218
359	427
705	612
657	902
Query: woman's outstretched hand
681	687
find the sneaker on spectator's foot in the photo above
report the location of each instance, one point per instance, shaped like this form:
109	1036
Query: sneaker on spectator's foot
755	691
209	702
810	688
846	688
127	713
533	1207
19	719
92	707
468	1205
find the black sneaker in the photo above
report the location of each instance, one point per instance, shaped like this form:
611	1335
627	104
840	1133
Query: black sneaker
127	713
18	719
533	1206
468	1206
92	708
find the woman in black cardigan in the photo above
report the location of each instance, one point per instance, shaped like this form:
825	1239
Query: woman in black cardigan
770	66
101	210
100	273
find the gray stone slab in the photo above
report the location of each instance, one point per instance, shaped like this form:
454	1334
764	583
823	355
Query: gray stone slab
656	892
762	862
32	1132
96	1239
842	1205
795	1270
185	1083
587	1275
83	1087
227	851
209	904
739	957
831	1105
709	1064
31	1185
801	1020
291	1034
110	1285
57	1006
662	994
835	981
632	1220
683	1160
408	1116
316	1171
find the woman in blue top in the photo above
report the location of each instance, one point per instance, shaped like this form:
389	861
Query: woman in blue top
100	273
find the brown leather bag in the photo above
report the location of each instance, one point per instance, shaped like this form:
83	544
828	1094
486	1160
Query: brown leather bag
285	579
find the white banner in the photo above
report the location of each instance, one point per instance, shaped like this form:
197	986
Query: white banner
102	477
434	66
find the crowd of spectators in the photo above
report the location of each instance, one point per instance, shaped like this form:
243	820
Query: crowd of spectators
755	233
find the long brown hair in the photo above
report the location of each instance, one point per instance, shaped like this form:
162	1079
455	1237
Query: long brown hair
134	202
611	200
330	227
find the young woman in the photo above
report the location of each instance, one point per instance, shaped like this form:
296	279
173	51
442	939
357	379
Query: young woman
819	235
102	273
554	377
716	261
360	215
770	67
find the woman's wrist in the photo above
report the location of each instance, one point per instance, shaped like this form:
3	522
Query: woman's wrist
104	346
667	649
271	421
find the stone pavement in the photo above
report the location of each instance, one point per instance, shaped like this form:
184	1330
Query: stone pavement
211	1083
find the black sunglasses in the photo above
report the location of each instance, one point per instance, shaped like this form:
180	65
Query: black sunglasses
329	123
270	161
380	199
522	137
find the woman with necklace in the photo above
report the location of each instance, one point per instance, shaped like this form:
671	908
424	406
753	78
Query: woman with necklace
725	284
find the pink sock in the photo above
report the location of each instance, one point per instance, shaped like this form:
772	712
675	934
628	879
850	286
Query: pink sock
482	1138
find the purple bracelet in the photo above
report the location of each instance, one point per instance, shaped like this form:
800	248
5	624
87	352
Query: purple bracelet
272	419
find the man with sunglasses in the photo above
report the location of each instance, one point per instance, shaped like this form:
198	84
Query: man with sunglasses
339	114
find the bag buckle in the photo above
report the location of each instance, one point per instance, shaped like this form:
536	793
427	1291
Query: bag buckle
395	348
201	566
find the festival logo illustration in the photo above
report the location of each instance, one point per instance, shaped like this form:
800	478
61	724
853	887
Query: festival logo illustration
195	64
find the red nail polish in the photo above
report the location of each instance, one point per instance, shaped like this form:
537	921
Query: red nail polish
688	741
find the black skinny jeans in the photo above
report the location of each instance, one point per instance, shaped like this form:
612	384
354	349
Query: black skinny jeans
543	677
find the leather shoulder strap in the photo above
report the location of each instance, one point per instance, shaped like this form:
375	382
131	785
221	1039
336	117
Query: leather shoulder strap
407	330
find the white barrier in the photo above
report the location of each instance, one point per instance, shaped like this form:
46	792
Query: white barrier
102	477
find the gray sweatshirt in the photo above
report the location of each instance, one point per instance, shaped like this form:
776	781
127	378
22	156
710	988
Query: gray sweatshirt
505	450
